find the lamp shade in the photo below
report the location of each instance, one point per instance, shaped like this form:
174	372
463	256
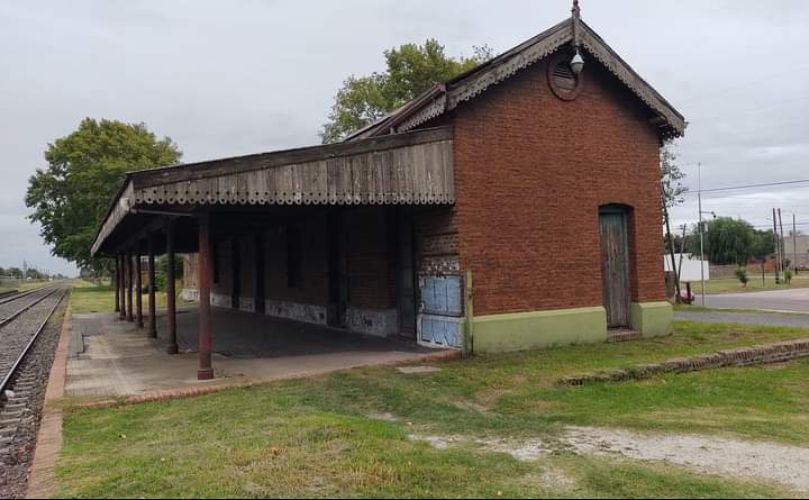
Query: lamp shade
577	63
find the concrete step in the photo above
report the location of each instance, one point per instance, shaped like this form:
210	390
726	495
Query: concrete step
623	335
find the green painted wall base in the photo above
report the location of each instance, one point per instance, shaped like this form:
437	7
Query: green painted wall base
532	330
652	319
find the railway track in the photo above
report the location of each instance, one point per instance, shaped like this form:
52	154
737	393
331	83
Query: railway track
27	346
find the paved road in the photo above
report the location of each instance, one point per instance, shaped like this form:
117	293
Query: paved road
751	318
794	300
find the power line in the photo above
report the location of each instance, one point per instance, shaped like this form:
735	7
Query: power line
750	186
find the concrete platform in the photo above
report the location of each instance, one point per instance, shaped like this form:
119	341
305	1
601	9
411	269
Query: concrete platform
110	358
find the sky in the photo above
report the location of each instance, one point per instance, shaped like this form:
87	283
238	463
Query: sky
223	78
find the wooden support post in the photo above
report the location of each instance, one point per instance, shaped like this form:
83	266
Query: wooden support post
152	304
129	313
116	283
469	315
122	286
205	371
171	305
138	290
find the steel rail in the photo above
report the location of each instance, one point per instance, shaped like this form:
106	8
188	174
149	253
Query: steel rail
8	376
19	295
9	319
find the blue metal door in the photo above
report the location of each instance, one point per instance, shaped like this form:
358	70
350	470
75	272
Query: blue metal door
441	311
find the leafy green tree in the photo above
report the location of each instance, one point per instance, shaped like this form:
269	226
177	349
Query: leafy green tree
727	241
71	196
14	272
411	70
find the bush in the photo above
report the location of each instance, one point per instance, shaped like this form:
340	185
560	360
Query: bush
161	268
741	274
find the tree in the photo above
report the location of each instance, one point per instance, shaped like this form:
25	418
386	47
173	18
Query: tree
741	275
14	272
71	196
411	70
672	192
727	241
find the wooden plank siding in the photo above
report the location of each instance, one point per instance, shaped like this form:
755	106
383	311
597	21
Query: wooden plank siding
415	168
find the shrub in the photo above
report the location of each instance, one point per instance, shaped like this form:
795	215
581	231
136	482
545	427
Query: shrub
741	274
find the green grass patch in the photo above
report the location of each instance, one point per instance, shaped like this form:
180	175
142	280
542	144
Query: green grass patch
756	284
322	437
91	298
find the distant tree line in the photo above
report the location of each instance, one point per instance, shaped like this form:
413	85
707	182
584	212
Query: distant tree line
729	241
33	273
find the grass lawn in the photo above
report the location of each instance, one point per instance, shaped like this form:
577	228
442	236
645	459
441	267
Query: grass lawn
732	285
347	434
89	298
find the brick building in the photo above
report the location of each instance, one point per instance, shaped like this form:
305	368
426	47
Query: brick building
514	207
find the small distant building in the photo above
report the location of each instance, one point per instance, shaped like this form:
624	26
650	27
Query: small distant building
690	267
513	207
797	250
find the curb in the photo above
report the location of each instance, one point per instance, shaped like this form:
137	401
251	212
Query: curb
745	356
192	392
42	478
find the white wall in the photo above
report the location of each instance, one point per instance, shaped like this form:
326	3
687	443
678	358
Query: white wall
690	267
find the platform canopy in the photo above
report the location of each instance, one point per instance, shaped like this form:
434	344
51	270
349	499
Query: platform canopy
414	168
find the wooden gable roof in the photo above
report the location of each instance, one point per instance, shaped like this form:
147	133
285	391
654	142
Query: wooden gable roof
447	96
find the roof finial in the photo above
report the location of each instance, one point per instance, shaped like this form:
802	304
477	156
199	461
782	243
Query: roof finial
576	10
576	18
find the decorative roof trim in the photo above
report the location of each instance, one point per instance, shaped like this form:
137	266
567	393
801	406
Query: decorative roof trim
121	207
469	85
476	84
433	110
596	46
413	168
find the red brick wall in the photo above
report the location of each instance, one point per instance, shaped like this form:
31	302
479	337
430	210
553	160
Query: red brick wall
531	172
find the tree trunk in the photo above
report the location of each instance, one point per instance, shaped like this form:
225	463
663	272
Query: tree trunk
671	252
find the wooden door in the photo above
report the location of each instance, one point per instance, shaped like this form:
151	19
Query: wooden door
615	267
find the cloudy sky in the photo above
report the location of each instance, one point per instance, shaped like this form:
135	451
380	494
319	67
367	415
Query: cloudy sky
229	77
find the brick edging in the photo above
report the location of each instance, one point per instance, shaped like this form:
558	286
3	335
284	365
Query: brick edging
41	478
745	356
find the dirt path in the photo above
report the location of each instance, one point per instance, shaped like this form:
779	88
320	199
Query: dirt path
748	460
787	465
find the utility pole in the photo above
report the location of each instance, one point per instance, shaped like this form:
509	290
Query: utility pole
794	244
783	245
777	247
682	252
701	235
